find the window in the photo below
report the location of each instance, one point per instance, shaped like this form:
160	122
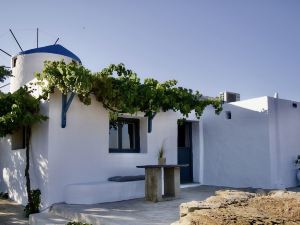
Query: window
14	62
124	136
184	135
18	139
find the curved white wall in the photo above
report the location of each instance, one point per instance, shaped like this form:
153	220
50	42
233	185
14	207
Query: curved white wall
27	65
12	164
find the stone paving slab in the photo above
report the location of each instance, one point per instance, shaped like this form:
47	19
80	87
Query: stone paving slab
11	213
47	219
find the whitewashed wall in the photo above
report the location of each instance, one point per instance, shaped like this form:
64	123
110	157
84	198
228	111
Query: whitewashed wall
256	148
12	163
79	153
285	142
27	65
196	152
236	151
39	154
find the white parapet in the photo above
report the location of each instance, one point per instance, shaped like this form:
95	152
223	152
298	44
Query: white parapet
107	191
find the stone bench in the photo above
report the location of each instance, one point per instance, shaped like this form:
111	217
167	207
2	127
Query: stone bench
106	191
126	178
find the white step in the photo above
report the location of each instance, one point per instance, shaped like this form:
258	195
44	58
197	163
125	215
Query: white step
47	219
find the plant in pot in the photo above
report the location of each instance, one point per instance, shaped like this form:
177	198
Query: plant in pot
161	156
297	162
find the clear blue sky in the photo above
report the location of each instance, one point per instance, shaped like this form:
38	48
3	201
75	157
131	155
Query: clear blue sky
251	47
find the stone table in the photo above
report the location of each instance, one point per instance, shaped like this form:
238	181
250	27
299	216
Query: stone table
153	181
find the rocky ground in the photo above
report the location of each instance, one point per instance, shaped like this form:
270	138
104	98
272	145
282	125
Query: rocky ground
243	208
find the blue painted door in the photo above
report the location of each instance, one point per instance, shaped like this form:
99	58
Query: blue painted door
185	156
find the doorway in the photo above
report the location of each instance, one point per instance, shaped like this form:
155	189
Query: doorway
184	150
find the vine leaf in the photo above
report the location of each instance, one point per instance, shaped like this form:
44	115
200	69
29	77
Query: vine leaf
120	90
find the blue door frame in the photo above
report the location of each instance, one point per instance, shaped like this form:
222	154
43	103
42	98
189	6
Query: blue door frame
185	151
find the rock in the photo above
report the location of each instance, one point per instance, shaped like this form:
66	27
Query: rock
243	208
260	192
222	199
277	193
185	208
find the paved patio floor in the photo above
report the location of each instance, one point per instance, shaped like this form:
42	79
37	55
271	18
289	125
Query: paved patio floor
133	212
11	213
137	211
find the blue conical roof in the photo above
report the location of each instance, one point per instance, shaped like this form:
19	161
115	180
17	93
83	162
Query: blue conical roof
55	49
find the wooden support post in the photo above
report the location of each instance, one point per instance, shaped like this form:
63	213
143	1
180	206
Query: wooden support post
65	104
150	118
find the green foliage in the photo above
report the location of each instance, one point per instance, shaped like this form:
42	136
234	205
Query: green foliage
66	78
4	73
77	223
161	152
121	91
35	205
18	109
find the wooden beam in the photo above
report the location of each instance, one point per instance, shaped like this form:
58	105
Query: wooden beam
65	104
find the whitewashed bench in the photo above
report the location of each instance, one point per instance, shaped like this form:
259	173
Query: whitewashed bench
106	191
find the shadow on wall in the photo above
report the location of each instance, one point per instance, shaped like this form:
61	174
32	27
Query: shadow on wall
13	175
41	167
13	167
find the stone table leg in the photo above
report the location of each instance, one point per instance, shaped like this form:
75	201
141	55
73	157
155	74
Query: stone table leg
172	182
153	184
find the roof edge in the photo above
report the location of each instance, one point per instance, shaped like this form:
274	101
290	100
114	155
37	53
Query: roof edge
54	49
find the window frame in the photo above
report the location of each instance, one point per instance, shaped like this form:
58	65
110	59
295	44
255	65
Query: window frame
121	121
14	61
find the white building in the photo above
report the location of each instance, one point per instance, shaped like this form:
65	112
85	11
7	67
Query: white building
252	143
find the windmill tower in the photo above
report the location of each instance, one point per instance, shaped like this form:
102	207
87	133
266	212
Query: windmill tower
23	66
26	63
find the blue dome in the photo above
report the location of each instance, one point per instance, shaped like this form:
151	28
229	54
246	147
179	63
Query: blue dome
55	49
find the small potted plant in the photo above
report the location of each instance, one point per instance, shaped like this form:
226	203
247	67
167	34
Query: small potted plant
161	156
297	162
